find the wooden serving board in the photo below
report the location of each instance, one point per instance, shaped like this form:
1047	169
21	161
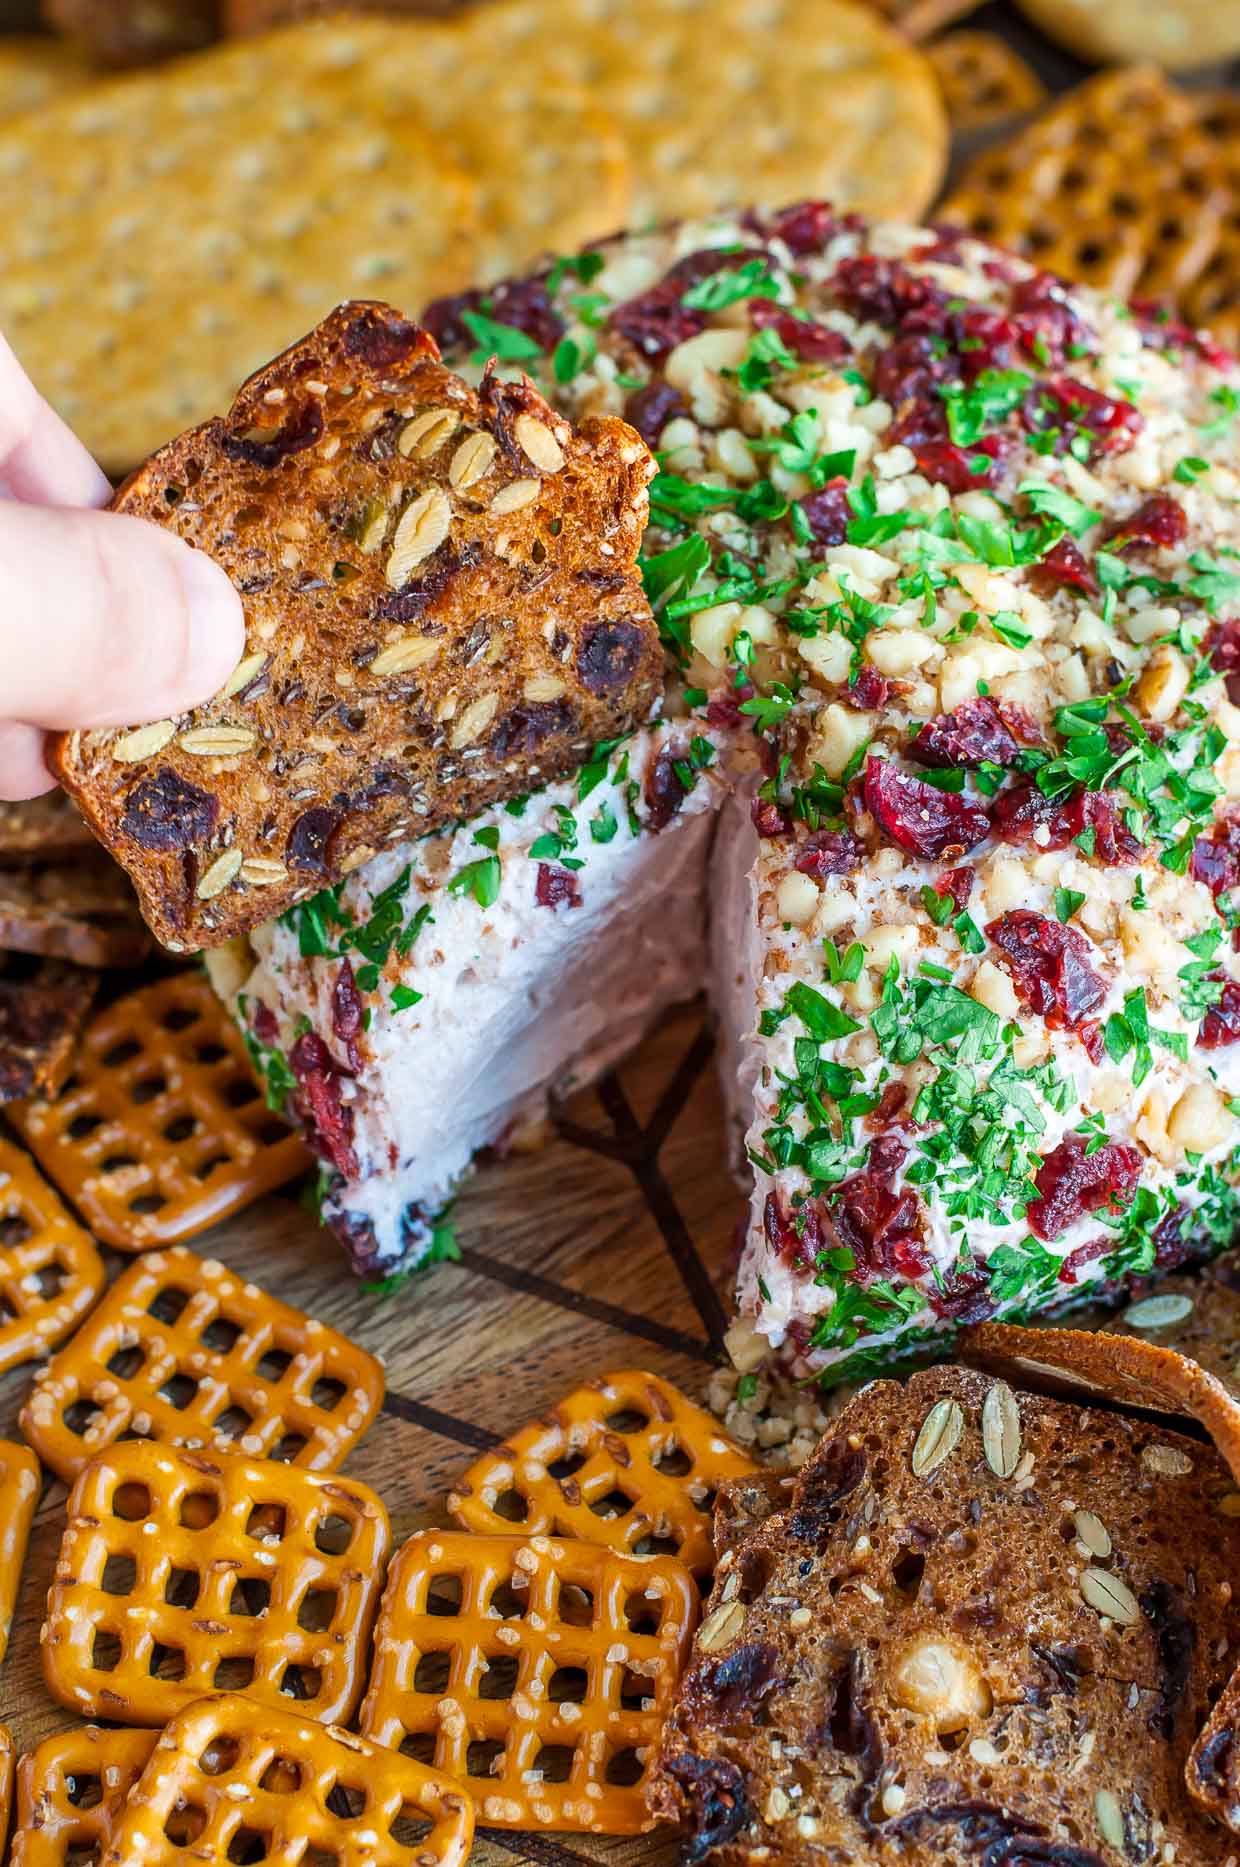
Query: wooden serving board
576	1260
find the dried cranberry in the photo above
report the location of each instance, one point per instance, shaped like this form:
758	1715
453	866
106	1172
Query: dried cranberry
810	226
887	293
651	408
1216	856
882	1228
712	1794
723	710
263	1022
380	338
828	513
1221	1024
830	852
300	431
977	732
768	819
961	471
1067	408
811	342
958	884
1050	328
984	340
524	304
1021	810
1160	522
529	726
1066	563
890	1106
610	655
794	1236
1162	330
329	1119
308	841
348	1014
918	816
1072	1182
1084	1255
963	1296
165	812
657	320
911	369
1049	964
665	790
1173	1241
868	690
732	1688
556	887
1223	647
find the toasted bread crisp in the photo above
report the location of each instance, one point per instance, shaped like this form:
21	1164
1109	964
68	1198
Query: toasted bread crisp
42	1011
133	32
41	829
81	910
442	611
987	1627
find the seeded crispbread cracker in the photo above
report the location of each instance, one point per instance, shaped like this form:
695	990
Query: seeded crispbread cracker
985	80
1116	185
248	16
33	71
1213	298
733	105
987	1625
43	1006
1181	34
133	32
1213	1772
80	909
41	829
442	606
171	231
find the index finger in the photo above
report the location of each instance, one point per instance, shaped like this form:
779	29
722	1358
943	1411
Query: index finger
41	461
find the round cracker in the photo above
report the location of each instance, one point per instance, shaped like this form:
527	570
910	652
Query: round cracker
171	232
1177	33
731	102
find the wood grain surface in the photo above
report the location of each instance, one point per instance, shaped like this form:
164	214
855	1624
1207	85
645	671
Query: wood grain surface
577	1259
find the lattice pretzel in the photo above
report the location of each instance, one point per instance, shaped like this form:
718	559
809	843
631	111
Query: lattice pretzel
6	1778
186	1572
233	1781
624	1461
50	1271
537	1672
20	1485
71	1789
160	1129
182	1351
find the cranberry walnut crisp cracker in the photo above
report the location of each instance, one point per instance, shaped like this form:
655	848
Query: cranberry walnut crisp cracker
441	604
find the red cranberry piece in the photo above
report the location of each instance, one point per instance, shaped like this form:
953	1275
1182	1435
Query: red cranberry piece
665	791
1048	326
1223	647
380	338
1084	1255
556	887
1216	856
911	370
724	709
811	342
830	852
1162	330
887	293
890	1107
1066	563
963	1296
1221	1024
165	812
810	226
984	340
650	409
306	846
918	816
1049	964
958	469
263	1022
977	732
1173	1240
828	513
657	320
1071	408
522	303
795	1236
1072	1182
869	690
329	1120
300	431
768	819
883	1228
348	1014
958	883
1021	809
1160	522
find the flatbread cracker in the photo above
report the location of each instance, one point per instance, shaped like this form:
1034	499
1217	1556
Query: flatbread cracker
769	102
84	911
985	81
33	71
172	231
42	1011
1116	185
1213	299
133	32
41	829
1180	34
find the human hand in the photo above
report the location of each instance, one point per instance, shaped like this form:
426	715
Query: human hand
105	620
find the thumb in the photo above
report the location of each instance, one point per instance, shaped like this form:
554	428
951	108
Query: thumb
106	620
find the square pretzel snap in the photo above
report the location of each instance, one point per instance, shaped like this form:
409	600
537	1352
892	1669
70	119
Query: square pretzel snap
625	1461
21	1481
70	1790
231	1780
537	1672
183	1573
50	1272
161	1129
183	1352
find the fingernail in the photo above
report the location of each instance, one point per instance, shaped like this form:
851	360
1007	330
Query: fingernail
216	621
